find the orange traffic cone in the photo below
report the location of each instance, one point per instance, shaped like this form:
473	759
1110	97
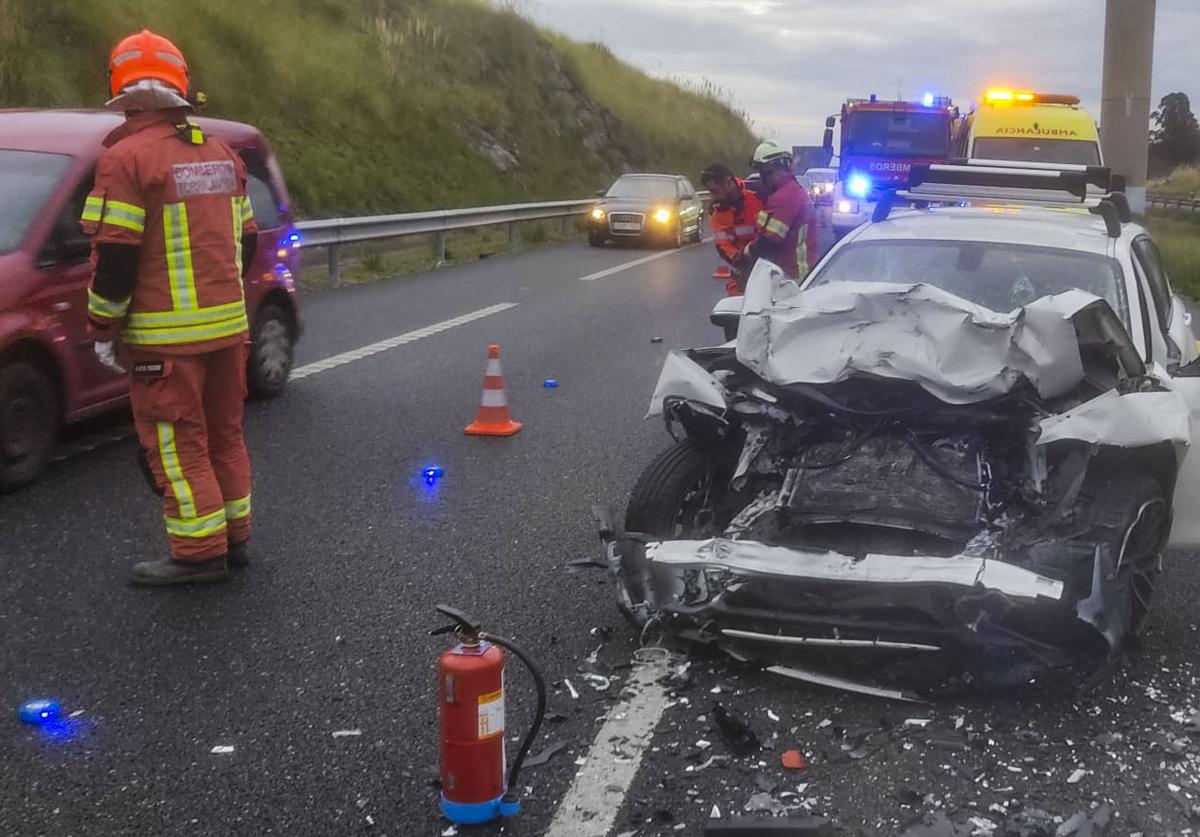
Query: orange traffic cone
493	418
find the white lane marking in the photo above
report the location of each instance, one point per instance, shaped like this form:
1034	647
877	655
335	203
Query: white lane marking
592	277
590	807
399	340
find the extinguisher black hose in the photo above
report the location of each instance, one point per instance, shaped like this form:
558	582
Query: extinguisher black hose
538	715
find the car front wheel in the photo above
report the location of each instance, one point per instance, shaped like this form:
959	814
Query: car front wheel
272	348
29	421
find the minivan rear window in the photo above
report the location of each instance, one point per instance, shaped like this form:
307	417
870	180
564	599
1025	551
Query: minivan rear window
27	178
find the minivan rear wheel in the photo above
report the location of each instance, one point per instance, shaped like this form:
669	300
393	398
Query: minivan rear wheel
272	348
29	423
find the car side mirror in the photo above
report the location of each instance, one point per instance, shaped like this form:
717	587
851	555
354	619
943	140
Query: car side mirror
1188	370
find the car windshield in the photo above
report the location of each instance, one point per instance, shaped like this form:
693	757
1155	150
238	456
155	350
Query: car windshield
1029	150
901	134
26	179
651	188
997	276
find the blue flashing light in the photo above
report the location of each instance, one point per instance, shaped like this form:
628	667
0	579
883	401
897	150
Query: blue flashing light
927	100
39	712
550	383
293	239
858	185
431	474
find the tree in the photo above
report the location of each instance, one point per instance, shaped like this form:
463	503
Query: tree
1175	137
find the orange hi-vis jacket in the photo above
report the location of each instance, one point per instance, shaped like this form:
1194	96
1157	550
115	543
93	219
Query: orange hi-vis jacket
179	196
735	226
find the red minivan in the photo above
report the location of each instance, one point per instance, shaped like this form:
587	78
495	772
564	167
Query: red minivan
49	375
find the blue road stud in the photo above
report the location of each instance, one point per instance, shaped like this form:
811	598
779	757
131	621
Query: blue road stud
550	383
39	711
432	474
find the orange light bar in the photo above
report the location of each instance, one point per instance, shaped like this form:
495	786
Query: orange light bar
999	96
1024	97
1003	96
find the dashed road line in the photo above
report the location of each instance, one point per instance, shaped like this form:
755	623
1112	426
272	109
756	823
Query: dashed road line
590	806
399	340
592	277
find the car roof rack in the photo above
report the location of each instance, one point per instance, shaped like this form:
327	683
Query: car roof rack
962	182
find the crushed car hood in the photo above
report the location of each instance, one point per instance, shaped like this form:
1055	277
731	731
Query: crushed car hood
960	352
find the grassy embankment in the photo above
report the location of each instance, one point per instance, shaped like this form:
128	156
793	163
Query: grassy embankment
1177	233
391	105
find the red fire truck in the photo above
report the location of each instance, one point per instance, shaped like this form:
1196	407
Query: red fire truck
880	141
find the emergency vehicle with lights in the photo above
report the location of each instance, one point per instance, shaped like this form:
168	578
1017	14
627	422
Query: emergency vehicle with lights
1020	126
880	142
49	374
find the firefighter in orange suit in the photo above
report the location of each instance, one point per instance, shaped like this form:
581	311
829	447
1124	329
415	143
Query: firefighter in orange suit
172	227
733	219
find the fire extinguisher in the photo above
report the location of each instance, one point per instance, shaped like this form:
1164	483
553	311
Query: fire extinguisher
471	696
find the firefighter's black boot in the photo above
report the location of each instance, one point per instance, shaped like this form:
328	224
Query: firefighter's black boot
239	554
166	572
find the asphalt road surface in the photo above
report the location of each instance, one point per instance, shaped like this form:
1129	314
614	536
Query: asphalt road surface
327	631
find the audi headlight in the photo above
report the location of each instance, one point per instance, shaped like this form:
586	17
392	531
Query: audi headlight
663	216
598	214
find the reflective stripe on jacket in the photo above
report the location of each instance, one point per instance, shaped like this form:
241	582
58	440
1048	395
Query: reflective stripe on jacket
781	226
734	226
180	197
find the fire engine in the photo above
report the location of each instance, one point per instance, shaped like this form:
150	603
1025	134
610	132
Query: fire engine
880	141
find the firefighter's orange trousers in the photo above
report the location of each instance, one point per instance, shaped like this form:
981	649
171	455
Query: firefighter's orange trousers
188	413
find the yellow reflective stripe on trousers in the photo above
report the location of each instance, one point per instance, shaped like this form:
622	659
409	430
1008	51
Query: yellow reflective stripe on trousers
247	209
98	306
196	527
185	334
125	215
238	509
179	256
93	208
181	490
777	227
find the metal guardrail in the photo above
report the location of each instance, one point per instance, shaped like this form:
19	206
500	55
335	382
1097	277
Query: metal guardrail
1186	204
333	232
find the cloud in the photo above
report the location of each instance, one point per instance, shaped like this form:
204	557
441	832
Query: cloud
790	63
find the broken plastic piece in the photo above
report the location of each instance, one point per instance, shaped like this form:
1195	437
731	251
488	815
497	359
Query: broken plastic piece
738	737
794	760
39	711
222	749
656	339
346	733
550	383
553	748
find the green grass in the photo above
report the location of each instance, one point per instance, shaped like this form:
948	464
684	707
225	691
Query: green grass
1183	182
1178	237
388	105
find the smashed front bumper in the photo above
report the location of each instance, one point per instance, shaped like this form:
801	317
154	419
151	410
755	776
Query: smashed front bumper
920	621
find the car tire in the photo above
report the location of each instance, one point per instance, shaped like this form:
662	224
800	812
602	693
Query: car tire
1132	511
29	423
595	239
272	350
662	503
698	235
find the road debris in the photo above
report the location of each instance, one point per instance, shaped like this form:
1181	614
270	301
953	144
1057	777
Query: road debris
794	760
571	689
551	749
346	733
738	737
222	749
1076	776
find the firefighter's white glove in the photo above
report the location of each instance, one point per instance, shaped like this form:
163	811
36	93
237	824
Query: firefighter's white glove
106	353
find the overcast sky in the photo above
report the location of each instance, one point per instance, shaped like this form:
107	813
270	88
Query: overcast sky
790	63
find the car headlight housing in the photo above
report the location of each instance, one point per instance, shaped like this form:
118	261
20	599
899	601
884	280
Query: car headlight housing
662	216
597	214
847	207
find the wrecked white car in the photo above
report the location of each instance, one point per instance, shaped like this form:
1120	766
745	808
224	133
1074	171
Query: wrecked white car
953	458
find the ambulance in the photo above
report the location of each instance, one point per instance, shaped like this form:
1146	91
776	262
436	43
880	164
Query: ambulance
1030	127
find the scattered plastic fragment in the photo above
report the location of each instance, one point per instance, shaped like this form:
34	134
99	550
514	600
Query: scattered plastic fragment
553	748
76	713
794	760
772	716
346	733
581	761
571	689
222	749
918	723
703	744
1074	778
715	813
450	832
598	681
1030	822
738	737
39	711
763	801
824	723
550	383
432	473
656	339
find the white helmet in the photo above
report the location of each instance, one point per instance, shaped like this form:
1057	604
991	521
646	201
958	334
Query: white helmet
771	152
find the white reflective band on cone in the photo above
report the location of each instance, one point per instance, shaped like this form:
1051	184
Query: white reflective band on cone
493	368
494	398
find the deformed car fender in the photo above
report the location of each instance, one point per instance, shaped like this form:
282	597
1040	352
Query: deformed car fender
682	377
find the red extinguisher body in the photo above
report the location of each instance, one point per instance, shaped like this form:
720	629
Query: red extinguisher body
471	693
